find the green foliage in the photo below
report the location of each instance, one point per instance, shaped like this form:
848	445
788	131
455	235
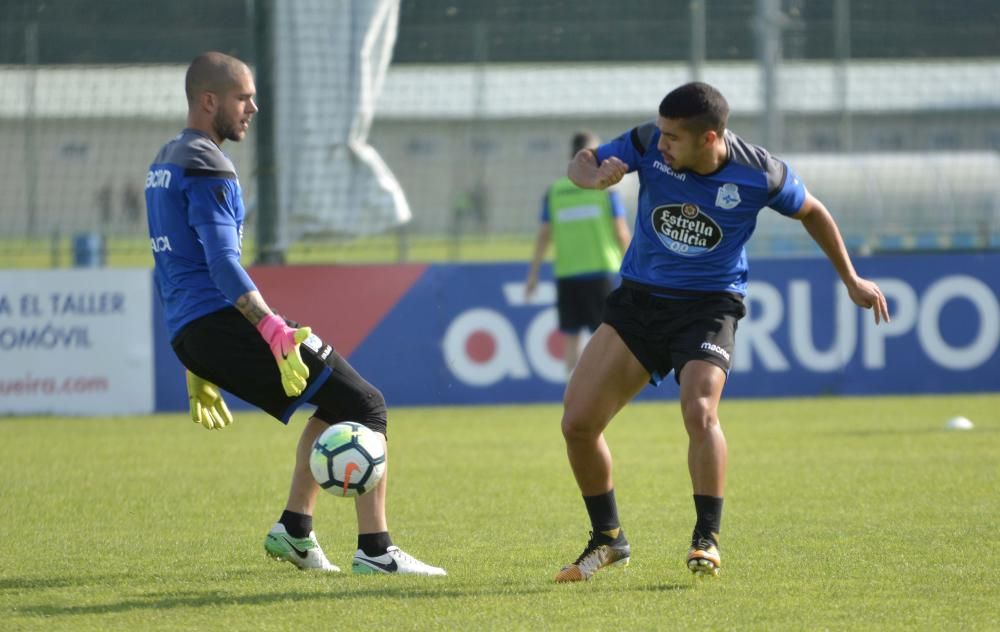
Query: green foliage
840	514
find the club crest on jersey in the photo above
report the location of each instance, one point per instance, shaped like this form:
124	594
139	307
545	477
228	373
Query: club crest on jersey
728	196
685	229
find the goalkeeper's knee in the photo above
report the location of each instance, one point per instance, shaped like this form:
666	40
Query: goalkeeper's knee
375	416
365	406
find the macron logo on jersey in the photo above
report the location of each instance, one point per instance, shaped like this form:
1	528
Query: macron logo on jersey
158	179
670	172
708	346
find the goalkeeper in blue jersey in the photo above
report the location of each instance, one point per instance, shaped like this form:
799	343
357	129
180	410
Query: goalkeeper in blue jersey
226	335
684	277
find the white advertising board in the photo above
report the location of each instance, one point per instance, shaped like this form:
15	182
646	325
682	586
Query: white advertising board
76	342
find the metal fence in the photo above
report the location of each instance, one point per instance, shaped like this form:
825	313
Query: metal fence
889	111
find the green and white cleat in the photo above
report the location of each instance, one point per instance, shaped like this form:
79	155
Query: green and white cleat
305	553
394	561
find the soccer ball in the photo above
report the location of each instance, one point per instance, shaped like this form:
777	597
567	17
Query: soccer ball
348	459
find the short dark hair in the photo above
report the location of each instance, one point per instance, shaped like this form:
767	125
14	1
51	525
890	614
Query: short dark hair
699	104
212	72
584	139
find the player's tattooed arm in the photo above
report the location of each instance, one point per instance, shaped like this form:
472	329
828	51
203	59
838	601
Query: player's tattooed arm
253	307
281	338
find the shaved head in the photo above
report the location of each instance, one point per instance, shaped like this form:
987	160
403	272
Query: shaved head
213	72
220	94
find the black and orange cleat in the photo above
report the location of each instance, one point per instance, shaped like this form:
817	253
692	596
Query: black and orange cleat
703	557
608	548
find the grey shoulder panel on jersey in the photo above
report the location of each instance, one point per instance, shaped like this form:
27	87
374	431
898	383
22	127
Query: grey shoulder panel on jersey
198	156
642	136
759	159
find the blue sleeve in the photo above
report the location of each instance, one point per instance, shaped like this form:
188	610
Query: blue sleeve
617	208
792	194
210	200
212	214
221	244
543	216
622	147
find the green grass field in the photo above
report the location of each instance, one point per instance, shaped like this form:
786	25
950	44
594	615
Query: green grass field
133	252
840	514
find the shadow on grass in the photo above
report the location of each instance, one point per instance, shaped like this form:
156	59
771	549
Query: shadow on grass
17	584
665	587
215	599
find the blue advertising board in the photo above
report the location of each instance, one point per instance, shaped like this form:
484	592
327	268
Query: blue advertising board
466	334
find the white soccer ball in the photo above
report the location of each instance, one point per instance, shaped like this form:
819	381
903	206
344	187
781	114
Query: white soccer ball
348	459
958	423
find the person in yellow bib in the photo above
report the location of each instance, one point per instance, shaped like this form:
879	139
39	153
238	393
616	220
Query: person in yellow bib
590	233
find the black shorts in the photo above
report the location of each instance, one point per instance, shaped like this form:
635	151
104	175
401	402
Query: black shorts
225	349
665	333
580	302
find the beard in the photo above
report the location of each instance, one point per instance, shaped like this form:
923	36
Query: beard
227	129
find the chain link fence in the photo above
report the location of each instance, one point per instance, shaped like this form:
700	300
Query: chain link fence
889	111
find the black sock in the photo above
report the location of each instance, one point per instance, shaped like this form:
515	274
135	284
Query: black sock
709	510
603	513
374	543
297	525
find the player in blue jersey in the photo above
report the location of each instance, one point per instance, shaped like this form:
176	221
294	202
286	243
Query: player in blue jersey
684	277
226	335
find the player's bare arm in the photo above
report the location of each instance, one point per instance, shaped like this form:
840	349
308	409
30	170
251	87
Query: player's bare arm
253	307
823	229
587	174
623	234
541	245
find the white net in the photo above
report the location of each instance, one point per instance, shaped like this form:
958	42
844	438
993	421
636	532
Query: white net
889	111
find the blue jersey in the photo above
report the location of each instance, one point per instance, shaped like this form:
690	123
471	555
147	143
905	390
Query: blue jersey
690	229
195	210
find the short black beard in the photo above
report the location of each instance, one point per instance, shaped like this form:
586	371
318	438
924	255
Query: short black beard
225	132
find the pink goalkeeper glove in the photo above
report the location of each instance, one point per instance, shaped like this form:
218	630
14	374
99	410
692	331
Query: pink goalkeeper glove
284	342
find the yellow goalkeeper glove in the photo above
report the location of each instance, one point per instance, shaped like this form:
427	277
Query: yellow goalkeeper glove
284	342
207	406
